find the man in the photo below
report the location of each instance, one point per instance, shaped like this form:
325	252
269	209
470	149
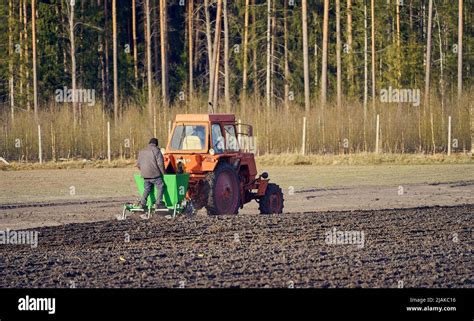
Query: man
151	165
199	132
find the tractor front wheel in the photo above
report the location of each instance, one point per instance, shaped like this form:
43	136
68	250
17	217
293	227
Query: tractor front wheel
224	191
272	201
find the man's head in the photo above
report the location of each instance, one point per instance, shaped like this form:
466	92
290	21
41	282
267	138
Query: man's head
153	141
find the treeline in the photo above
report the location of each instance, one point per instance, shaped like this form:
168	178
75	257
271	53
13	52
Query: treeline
341	58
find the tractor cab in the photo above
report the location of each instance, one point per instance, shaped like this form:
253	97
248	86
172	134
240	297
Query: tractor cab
204	134
198	142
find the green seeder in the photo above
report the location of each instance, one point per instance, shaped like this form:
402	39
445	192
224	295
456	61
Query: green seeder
174	193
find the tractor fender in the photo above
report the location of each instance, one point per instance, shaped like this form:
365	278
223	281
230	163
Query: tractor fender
262	186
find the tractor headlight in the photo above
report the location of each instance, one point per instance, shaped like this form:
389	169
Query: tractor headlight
211	151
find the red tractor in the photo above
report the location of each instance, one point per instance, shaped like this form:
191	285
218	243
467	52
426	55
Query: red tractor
222	177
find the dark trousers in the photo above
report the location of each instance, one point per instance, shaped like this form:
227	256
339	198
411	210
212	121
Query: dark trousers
149	182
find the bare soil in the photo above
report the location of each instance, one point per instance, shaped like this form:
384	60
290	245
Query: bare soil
421	247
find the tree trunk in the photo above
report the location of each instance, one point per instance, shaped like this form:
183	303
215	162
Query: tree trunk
151	114
350	51
428	70
215	92
22	64
399	54
154	25
11	59
26	55
269	21
287	67
33	47
324	68
190	48
441	70
210	54
134	37
272	55
304	19
73	60
164	51
246	36
338	54
102	72
316	64
460	30
366	73
114	36
216	54
254	59
410	13
106	49
372	18
226	59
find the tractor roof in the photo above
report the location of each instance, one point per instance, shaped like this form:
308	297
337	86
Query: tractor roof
205	117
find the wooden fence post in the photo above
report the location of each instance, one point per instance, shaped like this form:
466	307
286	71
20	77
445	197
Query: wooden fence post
449	135
303	144
108	141
377	134
40	150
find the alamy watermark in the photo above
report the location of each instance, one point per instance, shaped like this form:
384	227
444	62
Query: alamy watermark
335	237
67	95
400	95
19	237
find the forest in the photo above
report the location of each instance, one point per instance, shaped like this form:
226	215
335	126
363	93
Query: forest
311	76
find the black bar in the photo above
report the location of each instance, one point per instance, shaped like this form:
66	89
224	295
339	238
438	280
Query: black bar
239	304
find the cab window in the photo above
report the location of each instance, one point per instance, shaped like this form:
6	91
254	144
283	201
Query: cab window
217	139
188	137
231	140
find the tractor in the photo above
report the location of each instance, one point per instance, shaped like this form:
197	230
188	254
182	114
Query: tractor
203	153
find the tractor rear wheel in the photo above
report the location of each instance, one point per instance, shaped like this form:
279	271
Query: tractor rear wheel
224	191
272	201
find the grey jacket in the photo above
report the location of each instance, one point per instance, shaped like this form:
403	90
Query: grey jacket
150	162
